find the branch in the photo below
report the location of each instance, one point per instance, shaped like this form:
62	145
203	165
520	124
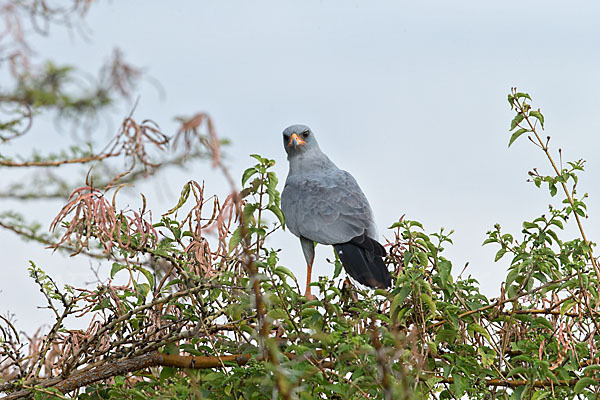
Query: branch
519	382
58	163
544	146
153	359
12	192
501	302
43	240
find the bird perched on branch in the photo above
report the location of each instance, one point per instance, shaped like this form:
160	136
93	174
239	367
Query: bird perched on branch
324	204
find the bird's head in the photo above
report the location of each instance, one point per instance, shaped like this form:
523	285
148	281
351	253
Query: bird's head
297	139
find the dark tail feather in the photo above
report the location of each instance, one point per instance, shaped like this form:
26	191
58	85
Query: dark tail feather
370	245
362	260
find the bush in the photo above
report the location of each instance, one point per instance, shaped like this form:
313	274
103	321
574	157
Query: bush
197	304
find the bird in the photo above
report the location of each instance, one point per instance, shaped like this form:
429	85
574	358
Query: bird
324	204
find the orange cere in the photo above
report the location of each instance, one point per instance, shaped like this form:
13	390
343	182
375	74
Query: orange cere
299	140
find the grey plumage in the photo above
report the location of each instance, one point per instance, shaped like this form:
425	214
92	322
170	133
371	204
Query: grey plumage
324	204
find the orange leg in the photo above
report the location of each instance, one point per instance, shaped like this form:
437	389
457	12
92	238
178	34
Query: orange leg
308	248
307	293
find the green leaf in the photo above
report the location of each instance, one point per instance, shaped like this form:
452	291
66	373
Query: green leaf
516	121
544	322
143	289
166	373
149	276
176	232
446	335
235	239
591	368
566	306
516	135
399	299
422	257
473	327
500	254
429	301
538	115
444	268
309	312
460	384
557	223
487	356
258	158
190	348
274	208
338	268
434	380
403	294
119	380
277	313
171	348
517	370
247	174
283	270
249	209
274	196
529	225
521	94
116	267
407	255
415	223
517	393
540	394
584	383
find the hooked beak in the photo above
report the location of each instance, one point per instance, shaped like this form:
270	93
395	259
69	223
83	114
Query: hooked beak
295	141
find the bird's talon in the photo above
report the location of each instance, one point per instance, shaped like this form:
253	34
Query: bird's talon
309	296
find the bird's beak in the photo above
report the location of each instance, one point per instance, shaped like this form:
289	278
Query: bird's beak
295	141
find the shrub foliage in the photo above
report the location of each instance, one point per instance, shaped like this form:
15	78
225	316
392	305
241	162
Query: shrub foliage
197	304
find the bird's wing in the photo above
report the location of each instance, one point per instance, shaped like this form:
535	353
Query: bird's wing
327	208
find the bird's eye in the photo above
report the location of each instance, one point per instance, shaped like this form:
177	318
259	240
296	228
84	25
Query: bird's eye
305	134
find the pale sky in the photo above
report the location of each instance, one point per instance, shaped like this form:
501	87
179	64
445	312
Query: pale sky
410	97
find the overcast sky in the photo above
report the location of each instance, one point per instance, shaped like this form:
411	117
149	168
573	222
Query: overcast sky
410	97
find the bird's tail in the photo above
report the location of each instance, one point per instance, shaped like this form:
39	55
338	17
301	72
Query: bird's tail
362	258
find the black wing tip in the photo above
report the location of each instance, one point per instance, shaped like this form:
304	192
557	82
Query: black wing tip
366	266
369	244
